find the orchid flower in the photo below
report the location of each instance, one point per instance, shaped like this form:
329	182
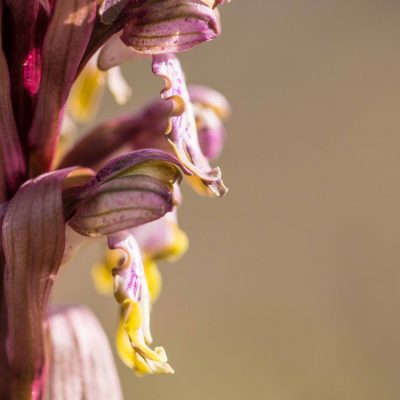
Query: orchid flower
120	181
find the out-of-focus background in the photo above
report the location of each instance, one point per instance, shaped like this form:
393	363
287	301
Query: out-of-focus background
290	289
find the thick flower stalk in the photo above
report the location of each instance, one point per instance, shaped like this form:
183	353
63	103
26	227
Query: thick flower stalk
120	181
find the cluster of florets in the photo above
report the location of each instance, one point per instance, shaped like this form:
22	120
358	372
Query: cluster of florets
119	181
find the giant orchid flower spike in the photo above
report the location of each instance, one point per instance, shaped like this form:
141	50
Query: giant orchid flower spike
120	181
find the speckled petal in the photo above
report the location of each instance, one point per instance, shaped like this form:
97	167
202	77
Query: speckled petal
129	191
182	128
170	26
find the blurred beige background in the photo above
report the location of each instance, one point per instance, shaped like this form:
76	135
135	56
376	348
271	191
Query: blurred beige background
290	290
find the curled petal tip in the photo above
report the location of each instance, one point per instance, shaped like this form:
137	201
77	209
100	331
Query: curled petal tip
132	293
182	131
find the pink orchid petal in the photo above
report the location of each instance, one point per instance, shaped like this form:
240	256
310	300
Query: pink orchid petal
170	26
130	289
155	27
210	109
33	240
122	203
155	236
130	276
211	132
117	198
147	127
64	45
182	130
81	364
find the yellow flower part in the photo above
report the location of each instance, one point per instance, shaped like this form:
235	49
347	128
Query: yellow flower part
87	90
132	346
177	247
86	93
102	272
124	348
153	277
118	273
131	290
198	186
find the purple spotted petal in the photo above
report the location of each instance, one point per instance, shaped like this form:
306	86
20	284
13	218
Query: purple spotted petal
81	363
211	132
182	130
122	203
129	191
170	26
154	26
130	275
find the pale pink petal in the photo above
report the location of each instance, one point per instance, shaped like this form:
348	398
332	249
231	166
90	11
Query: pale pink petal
81	362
